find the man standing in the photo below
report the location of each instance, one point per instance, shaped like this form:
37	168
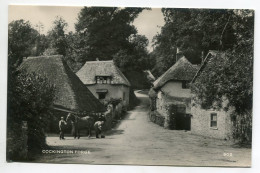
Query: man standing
62	125
98	126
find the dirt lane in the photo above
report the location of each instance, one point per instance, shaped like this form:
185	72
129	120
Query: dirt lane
138	141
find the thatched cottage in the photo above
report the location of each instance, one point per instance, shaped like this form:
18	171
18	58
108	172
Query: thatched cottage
211	122
105	81
71	95
171	94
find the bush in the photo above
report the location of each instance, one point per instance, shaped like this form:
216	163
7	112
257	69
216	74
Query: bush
242	127
29	99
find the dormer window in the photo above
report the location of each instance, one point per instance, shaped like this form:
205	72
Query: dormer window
103	79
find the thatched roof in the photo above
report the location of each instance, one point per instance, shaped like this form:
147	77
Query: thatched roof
71	93
91	69
182	70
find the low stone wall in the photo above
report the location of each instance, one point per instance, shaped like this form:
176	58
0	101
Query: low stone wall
157	118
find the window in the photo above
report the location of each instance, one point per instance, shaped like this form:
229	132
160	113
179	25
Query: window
101	95
185	85
103	79
213	120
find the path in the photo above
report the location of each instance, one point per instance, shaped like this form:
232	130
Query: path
138	141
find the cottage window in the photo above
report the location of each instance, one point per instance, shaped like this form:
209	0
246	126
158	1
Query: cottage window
185	85
101	95
103	79
213	120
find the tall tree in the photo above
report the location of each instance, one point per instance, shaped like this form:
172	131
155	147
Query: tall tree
29	97
194	31
21	40
106	30
57	36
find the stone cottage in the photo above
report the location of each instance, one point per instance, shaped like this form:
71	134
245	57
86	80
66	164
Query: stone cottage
171	95
212	122
105	81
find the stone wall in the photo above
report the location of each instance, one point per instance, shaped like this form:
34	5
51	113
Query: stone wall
157	118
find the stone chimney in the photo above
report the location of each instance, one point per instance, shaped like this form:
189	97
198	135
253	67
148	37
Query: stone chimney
179	54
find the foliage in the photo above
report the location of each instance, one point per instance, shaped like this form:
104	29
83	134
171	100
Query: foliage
21	40
195	32
29	99
108	33
230	75
135	57
106	30
242	127
57	37
77	51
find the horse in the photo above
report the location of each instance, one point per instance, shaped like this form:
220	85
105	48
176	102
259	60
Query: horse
79	123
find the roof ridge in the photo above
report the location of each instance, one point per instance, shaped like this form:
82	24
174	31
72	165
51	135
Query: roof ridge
42	56
99	61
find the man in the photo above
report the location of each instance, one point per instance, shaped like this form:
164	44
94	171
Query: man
62	125
98	126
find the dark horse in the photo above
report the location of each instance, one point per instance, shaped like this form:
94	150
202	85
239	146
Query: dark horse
79	123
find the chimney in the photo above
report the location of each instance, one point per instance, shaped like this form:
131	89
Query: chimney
202	57
179	54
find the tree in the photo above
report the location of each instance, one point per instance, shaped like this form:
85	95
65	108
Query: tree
135	57
106	30
57	37
29	97
21	40
195	32
77	50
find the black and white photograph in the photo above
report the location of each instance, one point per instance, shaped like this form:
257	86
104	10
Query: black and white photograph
101	85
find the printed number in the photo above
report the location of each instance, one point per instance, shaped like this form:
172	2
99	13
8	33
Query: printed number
227	154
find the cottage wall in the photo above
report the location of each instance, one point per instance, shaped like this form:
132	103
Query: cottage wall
114	91
174	89
200	123
160	104
172	92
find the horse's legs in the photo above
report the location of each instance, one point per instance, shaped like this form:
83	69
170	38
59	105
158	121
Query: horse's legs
74	131
78	134
89	132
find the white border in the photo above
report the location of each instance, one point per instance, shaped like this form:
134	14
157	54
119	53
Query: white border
25	167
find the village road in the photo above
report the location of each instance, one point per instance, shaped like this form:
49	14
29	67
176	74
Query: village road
136	140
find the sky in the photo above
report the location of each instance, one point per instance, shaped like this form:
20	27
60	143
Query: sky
148	23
